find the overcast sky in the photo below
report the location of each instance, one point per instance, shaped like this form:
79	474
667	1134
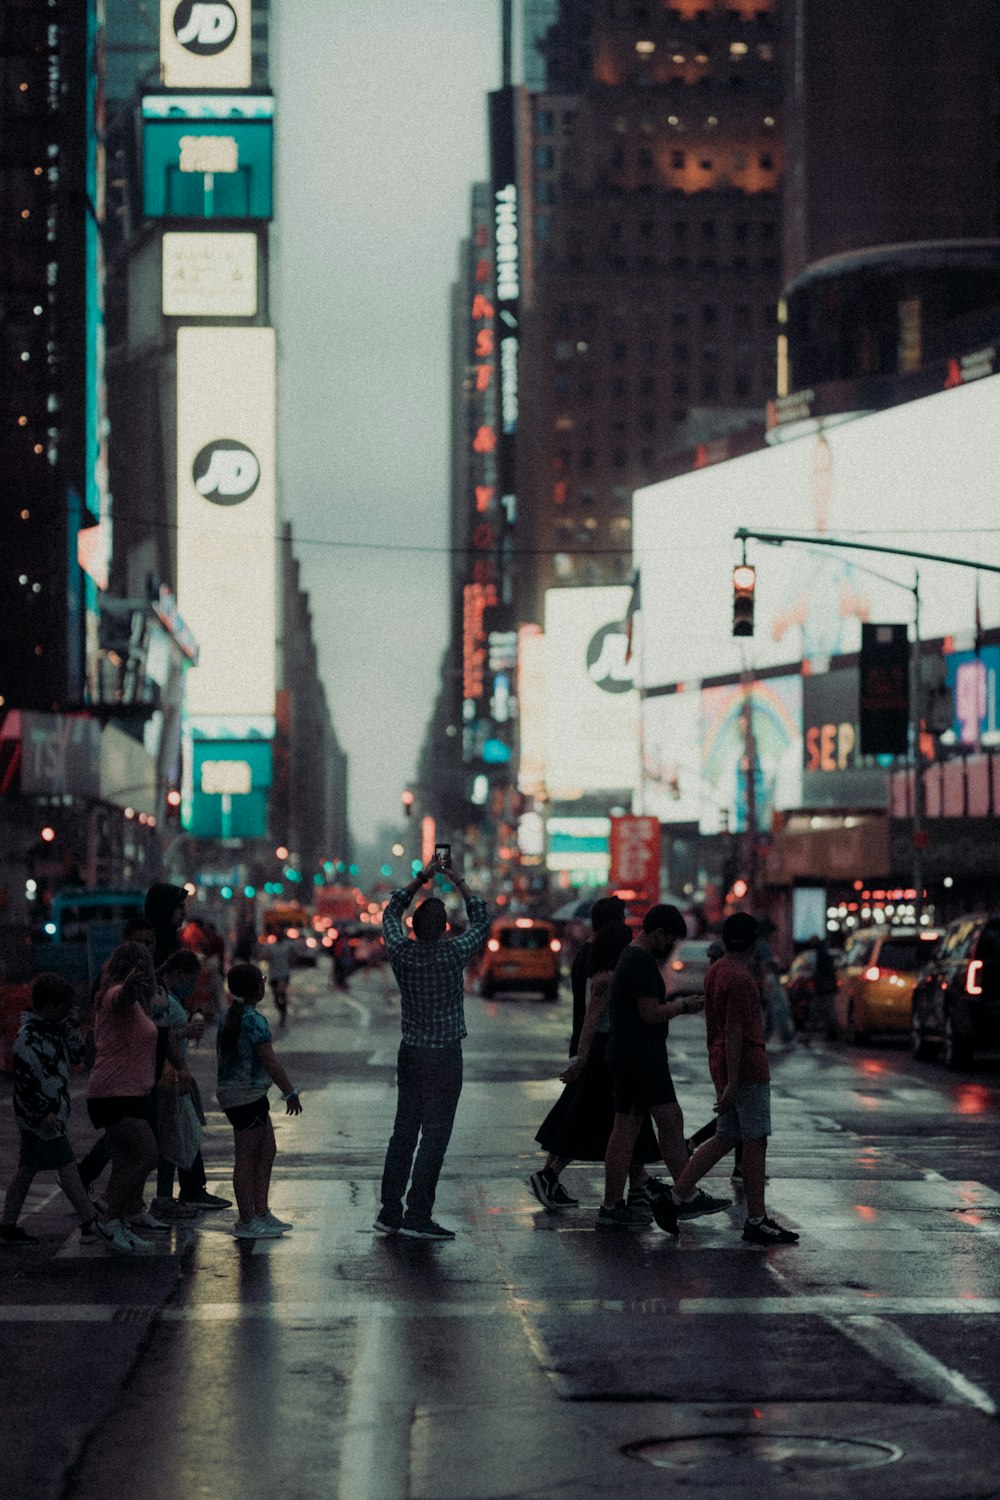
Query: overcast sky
381	130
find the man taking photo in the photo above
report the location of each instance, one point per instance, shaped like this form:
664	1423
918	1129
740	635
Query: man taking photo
430	972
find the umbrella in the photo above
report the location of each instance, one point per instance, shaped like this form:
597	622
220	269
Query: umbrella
573	911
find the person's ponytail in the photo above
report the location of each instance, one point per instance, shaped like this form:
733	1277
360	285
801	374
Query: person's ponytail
246	982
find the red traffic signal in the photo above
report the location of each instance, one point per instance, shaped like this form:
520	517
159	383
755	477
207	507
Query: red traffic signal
407	800
173	798
744	584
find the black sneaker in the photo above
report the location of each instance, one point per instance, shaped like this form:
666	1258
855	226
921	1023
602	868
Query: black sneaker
621	1217
639	1202
736	1175
544	1186
205	1199
767	1232
13	1234
560	1197
702	1204
425	1229
387	1224
655	1187
665	1213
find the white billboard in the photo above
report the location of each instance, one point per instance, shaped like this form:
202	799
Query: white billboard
592	705
226	516
921	475
207	274
205	44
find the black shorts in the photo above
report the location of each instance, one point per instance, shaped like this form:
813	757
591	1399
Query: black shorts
641	1086
44	1153
110	1111
245	1116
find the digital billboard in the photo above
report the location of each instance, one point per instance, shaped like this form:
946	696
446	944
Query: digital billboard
892	477
834	772
776	718
672	789
230	782
207	157
205	44
226	516
209	274
592	705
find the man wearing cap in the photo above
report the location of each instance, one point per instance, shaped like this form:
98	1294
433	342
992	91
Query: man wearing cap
737	1061
637	1053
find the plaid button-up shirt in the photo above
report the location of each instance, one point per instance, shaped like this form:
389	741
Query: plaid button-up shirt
431	976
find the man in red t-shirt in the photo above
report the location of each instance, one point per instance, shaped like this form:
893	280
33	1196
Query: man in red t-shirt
737	1061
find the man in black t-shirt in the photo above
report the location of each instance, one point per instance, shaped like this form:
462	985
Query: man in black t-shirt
637	1052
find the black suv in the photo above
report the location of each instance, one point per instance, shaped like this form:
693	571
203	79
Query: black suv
956	1001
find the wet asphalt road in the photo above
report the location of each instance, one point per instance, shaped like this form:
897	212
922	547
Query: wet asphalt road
533	1356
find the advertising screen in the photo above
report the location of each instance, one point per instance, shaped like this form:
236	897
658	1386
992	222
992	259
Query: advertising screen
834	773
671	756
205	44
207	157
207	274
893	477
592	706
229	792
580	846
226	516
777	731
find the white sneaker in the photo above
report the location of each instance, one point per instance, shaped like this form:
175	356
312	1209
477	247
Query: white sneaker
146	1220
275	1222
257	1229
112	1233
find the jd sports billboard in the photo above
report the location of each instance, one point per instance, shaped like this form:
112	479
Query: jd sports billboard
226	516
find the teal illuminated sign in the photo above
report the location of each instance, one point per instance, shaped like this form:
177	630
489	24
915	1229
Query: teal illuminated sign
207	158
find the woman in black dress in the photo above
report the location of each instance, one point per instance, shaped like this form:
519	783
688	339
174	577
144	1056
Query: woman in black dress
578	1125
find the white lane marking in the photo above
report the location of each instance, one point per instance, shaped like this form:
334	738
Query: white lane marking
323	1314
375	1451
907	1359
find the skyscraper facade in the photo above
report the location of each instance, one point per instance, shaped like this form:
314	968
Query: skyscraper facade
652	207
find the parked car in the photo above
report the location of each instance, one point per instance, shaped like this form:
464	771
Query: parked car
956	1001
688	965
522	953
875	979
800	986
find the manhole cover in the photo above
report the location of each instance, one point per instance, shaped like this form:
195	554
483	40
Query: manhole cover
728	1455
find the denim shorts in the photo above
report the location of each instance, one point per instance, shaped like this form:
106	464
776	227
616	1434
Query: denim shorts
749	1116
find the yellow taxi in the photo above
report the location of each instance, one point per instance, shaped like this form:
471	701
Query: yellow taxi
522	953
876	978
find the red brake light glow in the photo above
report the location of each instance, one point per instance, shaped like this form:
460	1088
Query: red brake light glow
971	978
555	945
493	945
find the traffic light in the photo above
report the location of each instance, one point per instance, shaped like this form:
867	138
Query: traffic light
173	805
744	583
407	800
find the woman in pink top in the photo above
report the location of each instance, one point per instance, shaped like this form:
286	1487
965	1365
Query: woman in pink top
120	1086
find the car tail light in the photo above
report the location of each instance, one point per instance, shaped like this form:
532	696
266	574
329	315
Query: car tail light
873	973
493	945
555	945
677	965
972	987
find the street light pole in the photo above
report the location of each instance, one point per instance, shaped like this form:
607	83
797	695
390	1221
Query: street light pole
916	696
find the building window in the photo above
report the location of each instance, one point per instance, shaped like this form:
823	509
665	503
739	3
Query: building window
766	161
682	353
680	231
680	317
620	498
544	122
619	458
709	387
647	422
678	160
618	158
543	158
618	388
741	318
543	225
708	232
681	386
647	230
544	192
645	159
647	386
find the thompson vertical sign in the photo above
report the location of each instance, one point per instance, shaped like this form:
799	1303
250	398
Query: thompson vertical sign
507	256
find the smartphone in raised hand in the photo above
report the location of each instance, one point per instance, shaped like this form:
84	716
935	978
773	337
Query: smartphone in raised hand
442	856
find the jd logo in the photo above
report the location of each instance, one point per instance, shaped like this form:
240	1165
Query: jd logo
606	664
205	27
226	472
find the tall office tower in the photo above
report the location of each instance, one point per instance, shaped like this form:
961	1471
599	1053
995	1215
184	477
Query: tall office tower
653	226
892	125
53	524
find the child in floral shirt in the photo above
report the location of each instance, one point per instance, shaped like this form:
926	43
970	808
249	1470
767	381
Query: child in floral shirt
45	1048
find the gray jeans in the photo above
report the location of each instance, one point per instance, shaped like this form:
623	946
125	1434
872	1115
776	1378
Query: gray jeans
429	1082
